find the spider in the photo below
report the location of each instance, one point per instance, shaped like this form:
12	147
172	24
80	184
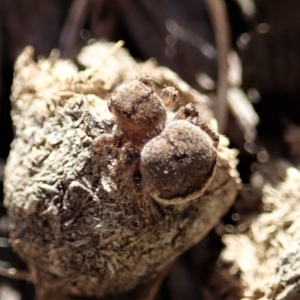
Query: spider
176	160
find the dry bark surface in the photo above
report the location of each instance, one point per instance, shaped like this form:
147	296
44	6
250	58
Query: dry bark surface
84	220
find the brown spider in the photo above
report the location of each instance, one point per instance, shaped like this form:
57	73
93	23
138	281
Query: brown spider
177	161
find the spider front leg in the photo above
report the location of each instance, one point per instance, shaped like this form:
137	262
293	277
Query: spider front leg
105	140
191	114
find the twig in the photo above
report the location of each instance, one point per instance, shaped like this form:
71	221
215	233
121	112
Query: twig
70	32
15	274
220	23
150	289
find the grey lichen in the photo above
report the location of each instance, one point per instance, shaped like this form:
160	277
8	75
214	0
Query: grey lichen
82	215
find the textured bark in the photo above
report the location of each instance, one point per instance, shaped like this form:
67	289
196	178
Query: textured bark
80	220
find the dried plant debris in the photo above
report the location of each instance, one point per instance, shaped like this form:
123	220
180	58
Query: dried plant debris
267	256
239	103
112	174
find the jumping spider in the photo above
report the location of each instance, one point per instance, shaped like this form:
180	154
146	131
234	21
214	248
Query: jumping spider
177	161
